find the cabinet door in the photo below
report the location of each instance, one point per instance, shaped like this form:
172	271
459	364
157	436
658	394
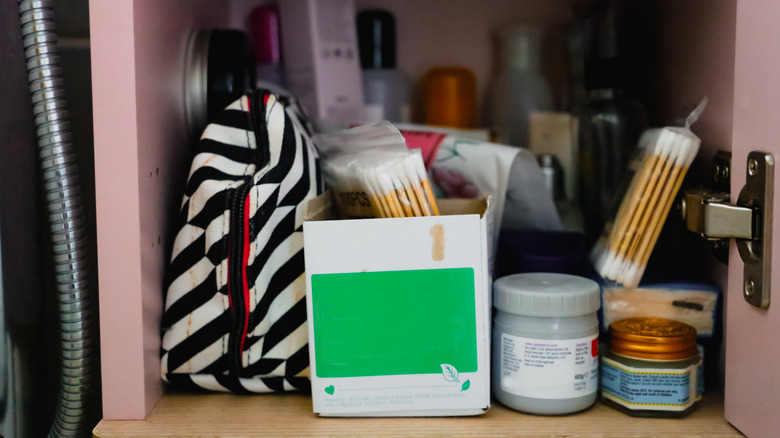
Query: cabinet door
752	345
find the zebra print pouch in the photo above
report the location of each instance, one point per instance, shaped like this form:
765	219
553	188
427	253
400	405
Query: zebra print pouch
235	310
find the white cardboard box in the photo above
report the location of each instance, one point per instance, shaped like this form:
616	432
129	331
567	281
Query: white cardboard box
399	313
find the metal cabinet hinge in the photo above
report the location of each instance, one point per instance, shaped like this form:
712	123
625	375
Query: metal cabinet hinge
749	222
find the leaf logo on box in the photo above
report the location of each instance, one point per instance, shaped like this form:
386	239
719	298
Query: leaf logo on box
330	389
450	372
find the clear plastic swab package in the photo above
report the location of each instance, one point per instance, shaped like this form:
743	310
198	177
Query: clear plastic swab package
660	165
373	174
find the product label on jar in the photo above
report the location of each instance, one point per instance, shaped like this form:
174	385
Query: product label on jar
659	389
549	368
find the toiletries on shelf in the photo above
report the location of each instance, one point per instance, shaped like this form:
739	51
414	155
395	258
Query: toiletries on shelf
449	97
652	368
608	130
571	217
545	342
372	173
266	39
659	168
609	123
693	303
321	60
520	87
385	86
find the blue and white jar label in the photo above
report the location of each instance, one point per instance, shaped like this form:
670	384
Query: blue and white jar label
660	389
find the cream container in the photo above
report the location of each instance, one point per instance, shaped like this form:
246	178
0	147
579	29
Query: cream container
652	368
545	342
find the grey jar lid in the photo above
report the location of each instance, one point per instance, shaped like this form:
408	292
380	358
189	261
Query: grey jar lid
546	294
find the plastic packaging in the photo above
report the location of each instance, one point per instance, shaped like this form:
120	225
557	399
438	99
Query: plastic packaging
463	167
519	88
690	302
373	174
545	342
659	167
385	87
652	368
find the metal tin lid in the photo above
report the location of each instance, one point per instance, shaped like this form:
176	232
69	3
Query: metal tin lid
653	338
546	294
216	73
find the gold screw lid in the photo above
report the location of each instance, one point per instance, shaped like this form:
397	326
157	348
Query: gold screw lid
653	338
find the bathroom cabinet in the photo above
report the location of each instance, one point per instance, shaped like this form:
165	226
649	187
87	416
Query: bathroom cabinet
725	50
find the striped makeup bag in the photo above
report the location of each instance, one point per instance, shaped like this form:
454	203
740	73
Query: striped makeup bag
235	308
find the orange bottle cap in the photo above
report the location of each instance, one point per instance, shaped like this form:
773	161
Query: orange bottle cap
449	97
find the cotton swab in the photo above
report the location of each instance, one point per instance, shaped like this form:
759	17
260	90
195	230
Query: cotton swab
423	176
686	157
381	209
388	192
642	200
400	177
622	252
619	233
647	211
407	168
400	194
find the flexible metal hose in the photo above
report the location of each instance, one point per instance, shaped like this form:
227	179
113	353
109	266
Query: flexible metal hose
66	217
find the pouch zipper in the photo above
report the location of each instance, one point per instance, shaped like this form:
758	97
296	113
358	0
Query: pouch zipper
240	237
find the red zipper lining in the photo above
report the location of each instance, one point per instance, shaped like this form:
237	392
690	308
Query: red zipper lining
244	262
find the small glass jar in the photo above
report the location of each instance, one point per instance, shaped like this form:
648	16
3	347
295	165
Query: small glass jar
651	368
545	342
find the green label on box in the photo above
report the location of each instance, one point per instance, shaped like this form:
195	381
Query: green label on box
394	322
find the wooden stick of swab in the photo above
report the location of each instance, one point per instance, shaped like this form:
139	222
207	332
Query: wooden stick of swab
420	167
686	157
400	174
649	211
400	193
381	210
646	200
386	203
638	185
386	185
608	247
407	168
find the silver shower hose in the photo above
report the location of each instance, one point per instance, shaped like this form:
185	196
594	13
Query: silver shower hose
66	218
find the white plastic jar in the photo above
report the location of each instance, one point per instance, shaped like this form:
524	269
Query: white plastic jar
545	342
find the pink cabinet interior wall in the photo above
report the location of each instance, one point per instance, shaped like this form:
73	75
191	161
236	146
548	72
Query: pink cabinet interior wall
138	52
141	154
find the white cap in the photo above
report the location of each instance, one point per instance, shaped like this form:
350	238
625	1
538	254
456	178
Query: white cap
521	47
546	294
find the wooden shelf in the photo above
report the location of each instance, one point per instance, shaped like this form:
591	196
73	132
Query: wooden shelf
228	415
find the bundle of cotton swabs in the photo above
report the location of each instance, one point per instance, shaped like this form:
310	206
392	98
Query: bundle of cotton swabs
622	252
373	174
